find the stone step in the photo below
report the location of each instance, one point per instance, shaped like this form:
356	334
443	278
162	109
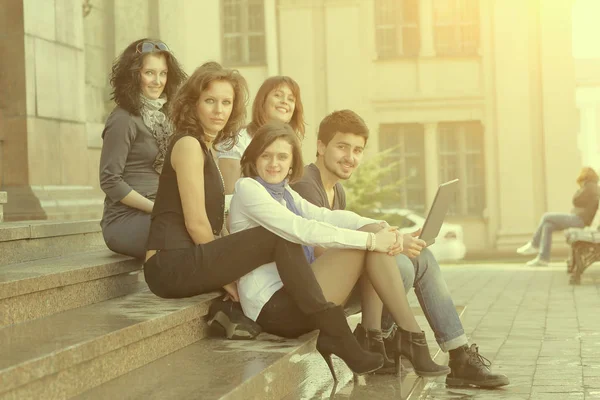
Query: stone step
35	289
65	354
266	368
369	387
34	240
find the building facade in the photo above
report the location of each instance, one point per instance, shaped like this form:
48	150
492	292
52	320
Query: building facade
480	90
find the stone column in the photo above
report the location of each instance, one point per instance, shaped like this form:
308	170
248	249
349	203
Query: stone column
426	28
562	161
3	199
431	163
46	158
517	112
271	39
535	119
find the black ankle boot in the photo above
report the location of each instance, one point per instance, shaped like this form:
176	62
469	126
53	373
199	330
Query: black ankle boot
335	337
468	367
413	346
372	340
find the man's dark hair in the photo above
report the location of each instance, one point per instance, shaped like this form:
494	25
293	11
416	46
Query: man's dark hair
345	121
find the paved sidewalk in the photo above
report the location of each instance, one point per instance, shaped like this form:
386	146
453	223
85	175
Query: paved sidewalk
536	328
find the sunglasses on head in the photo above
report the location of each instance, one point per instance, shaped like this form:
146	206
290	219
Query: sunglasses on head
149	47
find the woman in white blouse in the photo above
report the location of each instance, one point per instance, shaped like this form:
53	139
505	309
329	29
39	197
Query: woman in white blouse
277	99
264	198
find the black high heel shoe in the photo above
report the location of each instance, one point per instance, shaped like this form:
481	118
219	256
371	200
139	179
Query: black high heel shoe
336	338
413	346
372	340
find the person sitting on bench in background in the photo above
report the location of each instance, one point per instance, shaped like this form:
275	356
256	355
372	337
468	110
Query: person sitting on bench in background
585	205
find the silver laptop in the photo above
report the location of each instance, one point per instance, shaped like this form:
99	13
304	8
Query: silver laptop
438	211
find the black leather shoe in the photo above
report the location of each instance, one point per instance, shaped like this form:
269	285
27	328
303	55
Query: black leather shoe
226	319
469	368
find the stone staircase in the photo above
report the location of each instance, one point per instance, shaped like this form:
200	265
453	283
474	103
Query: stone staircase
78	321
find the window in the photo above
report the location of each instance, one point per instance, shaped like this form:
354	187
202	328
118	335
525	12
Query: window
460	152
456	27
408	144
397	28
243	32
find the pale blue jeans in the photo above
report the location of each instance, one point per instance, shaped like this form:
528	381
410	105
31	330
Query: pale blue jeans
424	274
551	222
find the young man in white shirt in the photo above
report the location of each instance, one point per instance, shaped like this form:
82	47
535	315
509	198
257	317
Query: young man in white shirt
342	138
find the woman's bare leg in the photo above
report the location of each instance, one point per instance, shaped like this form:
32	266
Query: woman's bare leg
386	280
371	304
337	272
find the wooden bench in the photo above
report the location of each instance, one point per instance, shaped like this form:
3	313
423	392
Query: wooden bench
585	250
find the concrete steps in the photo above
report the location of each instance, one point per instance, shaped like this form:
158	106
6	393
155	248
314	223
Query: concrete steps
35	240
62	355
35	289
77	321
266	368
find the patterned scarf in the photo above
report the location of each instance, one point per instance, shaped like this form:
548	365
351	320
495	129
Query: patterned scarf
158	124
278	192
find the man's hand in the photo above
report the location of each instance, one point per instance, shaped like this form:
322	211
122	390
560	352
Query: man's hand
412	244
232	292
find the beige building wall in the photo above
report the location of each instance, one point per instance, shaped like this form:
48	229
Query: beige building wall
519	85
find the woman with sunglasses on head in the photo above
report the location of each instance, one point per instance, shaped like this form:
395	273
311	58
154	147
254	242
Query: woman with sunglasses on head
264	198
144	77
186	257
277	99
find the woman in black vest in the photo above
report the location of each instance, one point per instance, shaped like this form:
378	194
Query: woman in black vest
186	258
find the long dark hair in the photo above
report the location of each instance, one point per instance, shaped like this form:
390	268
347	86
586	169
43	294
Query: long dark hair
125	76
183	106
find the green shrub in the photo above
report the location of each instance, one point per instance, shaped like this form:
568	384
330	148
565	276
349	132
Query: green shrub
370	188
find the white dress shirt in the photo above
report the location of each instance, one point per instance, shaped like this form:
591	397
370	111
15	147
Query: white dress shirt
253	206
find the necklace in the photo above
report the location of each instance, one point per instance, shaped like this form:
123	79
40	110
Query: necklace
222	188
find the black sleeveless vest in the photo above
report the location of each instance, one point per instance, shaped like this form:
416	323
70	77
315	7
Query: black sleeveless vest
167	229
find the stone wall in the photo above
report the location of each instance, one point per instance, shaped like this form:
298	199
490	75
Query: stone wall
56	59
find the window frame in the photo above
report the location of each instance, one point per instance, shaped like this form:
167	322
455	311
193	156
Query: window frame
398	29
400	131
462	129
457	46
244	34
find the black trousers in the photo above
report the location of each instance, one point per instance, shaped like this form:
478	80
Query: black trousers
207	267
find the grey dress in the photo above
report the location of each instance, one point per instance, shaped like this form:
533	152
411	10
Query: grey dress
126	163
